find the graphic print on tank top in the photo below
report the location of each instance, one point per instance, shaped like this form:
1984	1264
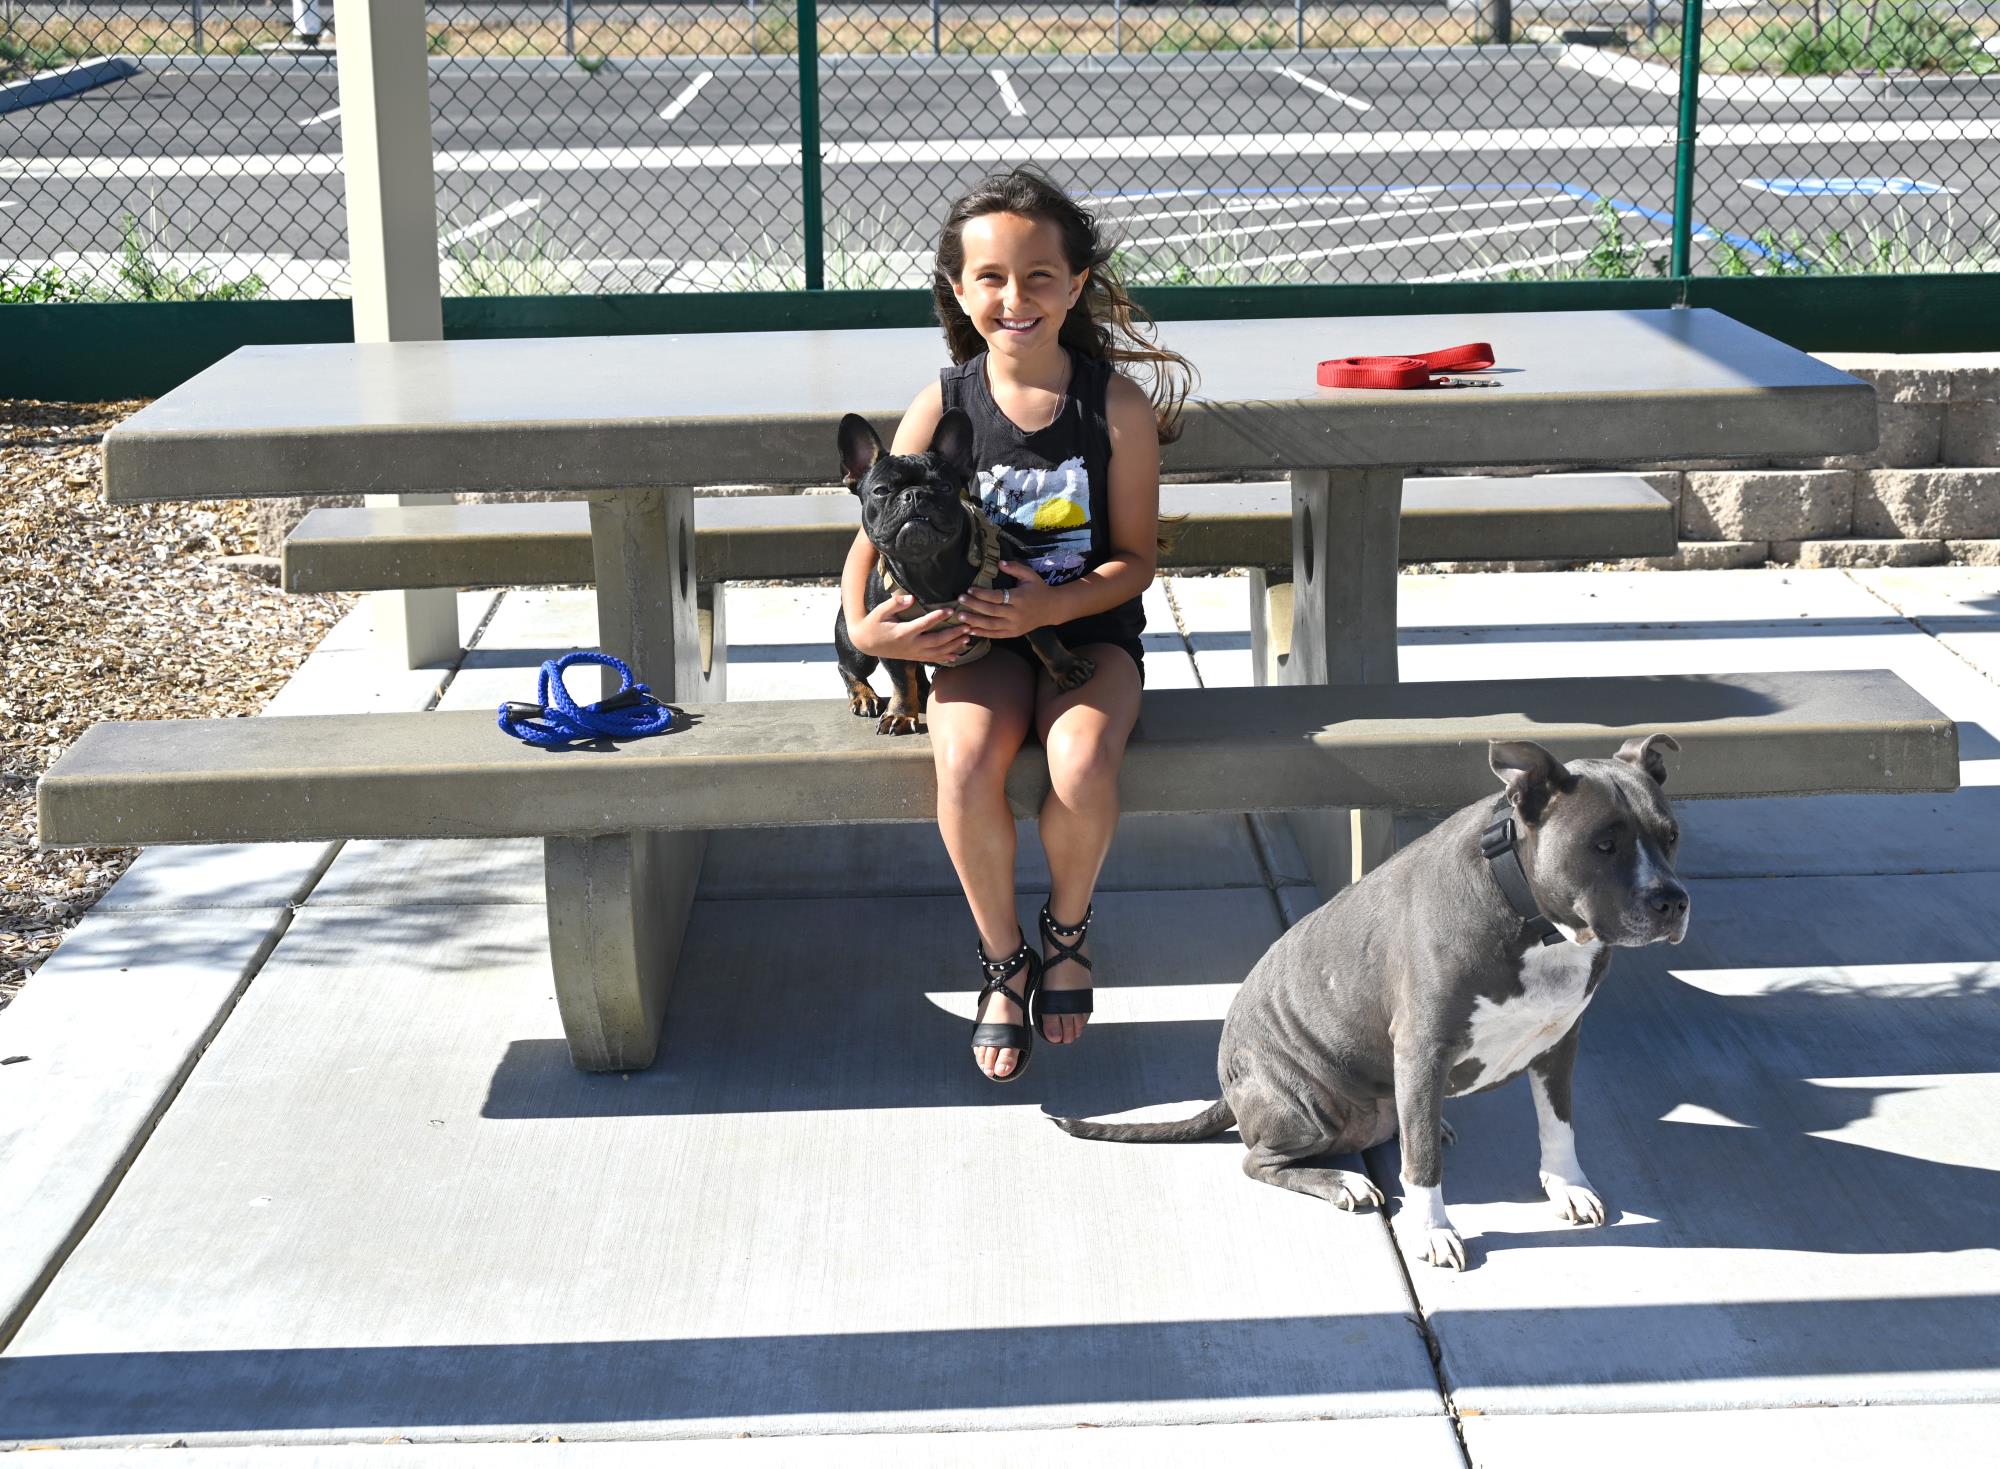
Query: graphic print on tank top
1047	511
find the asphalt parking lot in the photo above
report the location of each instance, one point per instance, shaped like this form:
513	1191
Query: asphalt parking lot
1442	164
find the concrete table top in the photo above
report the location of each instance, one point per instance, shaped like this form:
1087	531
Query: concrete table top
638	412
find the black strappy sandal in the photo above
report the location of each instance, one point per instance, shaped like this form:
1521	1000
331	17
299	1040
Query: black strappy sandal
999	1034
1066	942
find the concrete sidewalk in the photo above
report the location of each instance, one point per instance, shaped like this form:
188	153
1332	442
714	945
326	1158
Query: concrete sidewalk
297	1158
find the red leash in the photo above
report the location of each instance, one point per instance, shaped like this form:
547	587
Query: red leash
1404	372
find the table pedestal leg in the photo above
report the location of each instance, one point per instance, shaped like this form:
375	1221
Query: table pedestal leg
419	626
618	905
1335	622
647	608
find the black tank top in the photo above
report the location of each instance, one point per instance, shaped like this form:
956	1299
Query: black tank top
1048	488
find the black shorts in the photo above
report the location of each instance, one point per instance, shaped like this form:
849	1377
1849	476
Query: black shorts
1101	627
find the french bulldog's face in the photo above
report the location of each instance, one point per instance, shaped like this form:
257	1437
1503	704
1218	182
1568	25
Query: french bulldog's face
912	505
1603	838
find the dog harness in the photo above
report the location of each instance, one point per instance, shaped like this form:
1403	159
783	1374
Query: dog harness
1409	372
1499	844
982	553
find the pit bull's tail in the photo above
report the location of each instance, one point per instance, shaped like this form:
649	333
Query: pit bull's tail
1203	1124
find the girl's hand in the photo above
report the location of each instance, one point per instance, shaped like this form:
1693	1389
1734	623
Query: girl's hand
925	639
1011	611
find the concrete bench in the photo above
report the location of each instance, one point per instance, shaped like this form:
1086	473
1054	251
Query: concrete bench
777	537
624	829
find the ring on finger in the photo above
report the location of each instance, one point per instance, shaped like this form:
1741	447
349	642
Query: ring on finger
1006	596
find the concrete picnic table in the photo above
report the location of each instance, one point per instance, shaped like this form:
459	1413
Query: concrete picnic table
634	422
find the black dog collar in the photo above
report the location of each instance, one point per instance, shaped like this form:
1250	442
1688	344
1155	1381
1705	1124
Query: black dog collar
1500	846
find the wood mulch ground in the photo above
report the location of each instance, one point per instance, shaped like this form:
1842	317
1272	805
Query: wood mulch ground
112	612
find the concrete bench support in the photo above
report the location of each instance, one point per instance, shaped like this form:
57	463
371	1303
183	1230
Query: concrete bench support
618	904
1341	629
647	593
618	907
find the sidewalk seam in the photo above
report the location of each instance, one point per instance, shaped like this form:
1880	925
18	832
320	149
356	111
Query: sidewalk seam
11	1324
1433	1348
1917	622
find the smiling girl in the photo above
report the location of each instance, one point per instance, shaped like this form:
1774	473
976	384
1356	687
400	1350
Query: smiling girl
1068	459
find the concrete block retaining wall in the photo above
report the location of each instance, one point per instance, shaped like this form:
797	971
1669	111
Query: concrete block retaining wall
1928	494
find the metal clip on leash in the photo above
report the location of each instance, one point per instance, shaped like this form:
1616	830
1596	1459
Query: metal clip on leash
1410	372
558	722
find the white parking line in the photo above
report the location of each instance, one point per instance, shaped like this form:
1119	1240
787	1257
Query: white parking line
686	95
1332	252
1198	207
1014	107
1319	86
1318	144
1288	224
1479	272
327	116
481	225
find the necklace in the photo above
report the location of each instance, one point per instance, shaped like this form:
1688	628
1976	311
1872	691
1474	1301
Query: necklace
1062	398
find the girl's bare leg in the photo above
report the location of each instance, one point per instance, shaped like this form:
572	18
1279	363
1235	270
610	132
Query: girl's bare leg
1084	732
978	716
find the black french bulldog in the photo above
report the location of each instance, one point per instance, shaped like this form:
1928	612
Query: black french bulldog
931	541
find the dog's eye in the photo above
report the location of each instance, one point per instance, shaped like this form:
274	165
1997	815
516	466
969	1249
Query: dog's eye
1607	845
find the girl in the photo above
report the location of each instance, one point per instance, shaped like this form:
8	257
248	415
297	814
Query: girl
1068	461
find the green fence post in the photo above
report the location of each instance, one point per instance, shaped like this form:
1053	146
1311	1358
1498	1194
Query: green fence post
1684	143
809	202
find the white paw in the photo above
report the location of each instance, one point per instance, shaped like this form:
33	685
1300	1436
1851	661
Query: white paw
1576	1202
1356	1191
1443	1248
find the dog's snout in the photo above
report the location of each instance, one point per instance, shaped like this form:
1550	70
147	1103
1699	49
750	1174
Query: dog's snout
1667	900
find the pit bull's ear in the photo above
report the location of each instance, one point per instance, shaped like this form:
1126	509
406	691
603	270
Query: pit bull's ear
1645	753
1531	774
953	441
860	447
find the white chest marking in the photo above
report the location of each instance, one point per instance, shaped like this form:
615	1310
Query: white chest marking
1507	1036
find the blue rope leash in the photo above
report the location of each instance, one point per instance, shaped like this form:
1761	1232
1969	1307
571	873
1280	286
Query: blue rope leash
558	721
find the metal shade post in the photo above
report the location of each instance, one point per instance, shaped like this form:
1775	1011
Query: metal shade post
1684	141
809	200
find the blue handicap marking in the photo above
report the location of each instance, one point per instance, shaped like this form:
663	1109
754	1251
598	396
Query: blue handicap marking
1847	186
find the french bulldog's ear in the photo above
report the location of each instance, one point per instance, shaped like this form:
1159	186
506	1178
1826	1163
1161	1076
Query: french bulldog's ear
1645	753
953	440
860	447
1531	774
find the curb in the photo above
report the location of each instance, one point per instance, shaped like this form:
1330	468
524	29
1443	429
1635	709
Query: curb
65	81
1647	76
1082	63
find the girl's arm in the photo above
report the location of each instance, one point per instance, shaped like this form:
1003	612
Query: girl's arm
878	633
1134	497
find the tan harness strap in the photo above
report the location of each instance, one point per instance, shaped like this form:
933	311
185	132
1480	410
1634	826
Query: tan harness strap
982	551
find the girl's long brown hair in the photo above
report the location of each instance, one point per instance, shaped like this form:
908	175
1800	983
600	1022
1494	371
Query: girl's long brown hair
1105	323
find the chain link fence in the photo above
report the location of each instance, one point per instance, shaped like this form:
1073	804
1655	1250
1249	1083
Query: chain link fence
586	147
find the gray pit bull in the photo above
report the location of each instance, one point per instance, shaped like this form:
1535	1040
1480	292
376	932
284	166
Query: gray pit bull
1464	960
